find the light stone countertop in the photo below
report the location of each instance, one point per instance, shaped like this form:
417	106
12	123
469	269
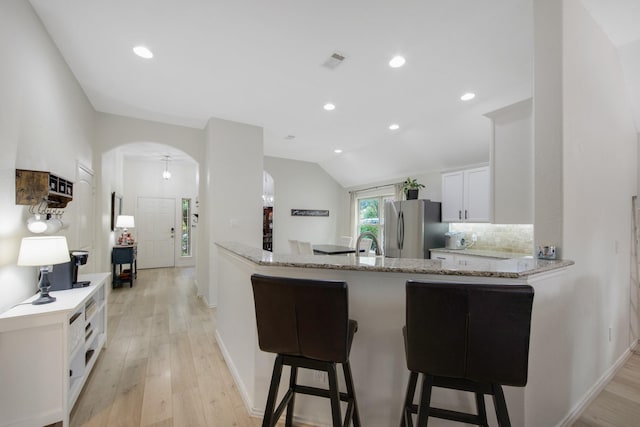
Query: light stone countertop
520	267
482	253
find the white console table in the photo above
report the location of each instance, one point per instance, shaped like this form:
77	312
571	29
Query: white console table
47	352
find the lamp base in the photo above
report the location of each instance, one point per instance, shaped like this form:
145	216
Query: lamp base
44	286
44	299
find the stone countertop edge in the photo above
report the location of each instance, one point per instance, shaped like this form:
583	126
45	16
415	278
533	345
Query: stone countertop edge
515	268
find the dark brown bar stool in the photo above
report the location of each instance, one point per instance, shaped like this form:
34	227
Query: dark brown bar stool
306	323
468	337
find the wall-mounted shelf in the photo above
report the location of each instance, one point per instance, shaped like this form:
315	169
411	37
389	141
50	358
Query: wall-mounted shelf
35	187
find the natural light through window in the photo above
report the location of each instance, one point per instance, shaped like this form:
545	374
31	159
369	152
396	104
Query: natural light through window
186	227
370	211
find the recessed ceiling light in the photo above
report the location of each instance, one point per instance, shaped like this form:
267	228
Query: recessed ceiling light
468	96
329	106
337	151
397	61
143	52
394	126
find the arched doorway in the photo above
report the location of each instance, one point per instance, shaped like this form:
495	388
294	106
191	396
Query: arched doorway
158	184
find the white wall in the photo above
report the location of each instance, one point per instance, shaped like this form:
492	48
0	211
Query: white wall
599	164
143	178
233	188
46	123
600	152
304	185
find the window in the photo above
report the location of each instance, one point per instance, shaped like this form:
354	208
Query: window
370	215
186	227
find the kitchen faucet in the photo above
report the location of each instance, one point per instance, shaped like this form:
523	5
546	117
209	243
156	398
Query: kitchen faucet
375	241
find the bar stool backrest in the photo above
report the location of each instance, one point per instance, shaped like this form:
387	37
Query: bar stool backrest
302	317
469	331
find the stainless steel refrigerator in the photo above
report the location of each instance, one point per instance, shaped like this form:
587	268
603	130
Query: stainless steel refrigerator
412	227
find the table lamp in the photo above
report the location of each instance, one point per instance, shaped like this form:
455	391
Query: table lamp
43	251
125	222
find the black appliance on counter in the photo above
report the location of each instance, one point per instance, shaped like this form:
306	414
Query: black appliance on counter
65	275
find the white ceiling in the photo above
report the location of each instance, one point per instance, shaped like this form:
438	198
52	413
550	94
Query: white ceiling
260	62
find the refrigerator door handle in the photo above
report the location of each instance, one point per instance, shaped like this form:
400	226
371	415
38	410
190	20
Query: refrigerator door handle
398	230
401	231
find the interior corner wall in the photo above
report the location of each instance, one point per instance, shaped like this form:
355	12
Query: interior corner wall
233	189
46	123
305	185
599	176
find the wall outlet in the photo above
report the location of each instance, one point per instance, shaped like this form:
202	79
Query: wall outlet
474	237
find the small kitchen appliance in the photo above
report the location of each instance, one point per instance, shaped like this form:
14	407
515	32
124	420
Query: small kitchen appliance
454	240
65	276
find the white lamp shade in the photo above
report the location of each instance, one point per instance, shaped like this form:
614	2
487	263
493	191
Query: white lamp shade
43	250
125	221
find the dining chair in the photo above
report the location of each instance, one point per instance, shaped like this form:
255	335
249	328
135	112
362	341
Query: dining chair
345	241
365	245
305	248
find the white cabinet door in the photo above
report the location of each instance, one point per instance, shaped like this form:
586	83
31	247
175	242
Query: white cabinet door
466	196
477	196
452	196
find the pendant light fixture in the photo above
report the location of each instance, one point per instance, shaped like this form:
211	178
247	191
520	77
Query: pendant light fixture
166	174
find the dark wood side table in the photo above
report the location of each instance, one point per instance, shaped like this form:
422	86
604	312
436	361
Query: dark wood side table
124	255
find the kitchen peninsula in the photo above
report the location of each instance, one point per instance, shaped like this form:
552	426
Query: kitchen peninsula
377	302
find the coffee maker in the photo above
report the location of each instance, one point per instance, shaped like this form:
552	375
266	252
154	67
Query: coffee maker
65	275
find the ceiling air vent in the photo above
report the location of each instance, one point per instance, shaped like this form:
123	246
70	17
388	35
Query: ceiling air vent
334	60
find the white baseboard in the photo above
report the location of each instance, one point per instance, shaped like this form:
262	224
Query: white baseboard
248	404
246	399
595	390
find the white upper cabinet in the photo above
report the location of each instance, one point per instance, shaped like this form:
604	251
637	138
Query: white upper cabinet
452	196
512	163
466	195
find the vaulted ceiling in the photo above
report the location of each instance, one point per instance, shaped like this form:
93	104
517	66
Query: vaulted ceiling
261	63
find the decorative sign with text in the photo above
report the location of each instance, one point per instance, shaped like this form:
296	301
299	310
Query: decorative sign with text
309	212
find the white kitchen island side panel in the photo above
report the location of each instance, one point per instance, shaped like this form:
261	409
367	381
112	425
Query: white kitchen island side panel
377	302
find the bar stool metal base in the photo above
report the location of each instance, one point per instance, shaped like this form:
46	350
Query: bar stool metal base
424	409
272	416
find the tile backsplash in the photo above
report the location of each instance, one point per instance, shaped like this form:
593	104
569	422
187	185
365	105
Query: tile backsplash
498	237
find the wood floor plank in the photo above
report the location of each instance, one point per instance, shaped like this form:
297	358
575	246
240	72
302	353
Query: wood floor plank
618	405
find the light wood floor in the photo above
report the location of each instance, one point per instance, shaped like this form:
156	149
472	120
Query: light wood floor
618	405
162	366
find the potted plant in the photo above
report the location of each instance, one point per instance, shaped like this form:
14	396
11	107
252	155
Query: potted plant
411	188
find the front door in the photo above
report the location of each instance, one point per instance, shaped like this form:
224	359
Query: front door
155	226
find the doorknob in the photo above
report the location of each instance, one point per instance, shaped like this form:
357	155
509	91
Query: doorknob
172	232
